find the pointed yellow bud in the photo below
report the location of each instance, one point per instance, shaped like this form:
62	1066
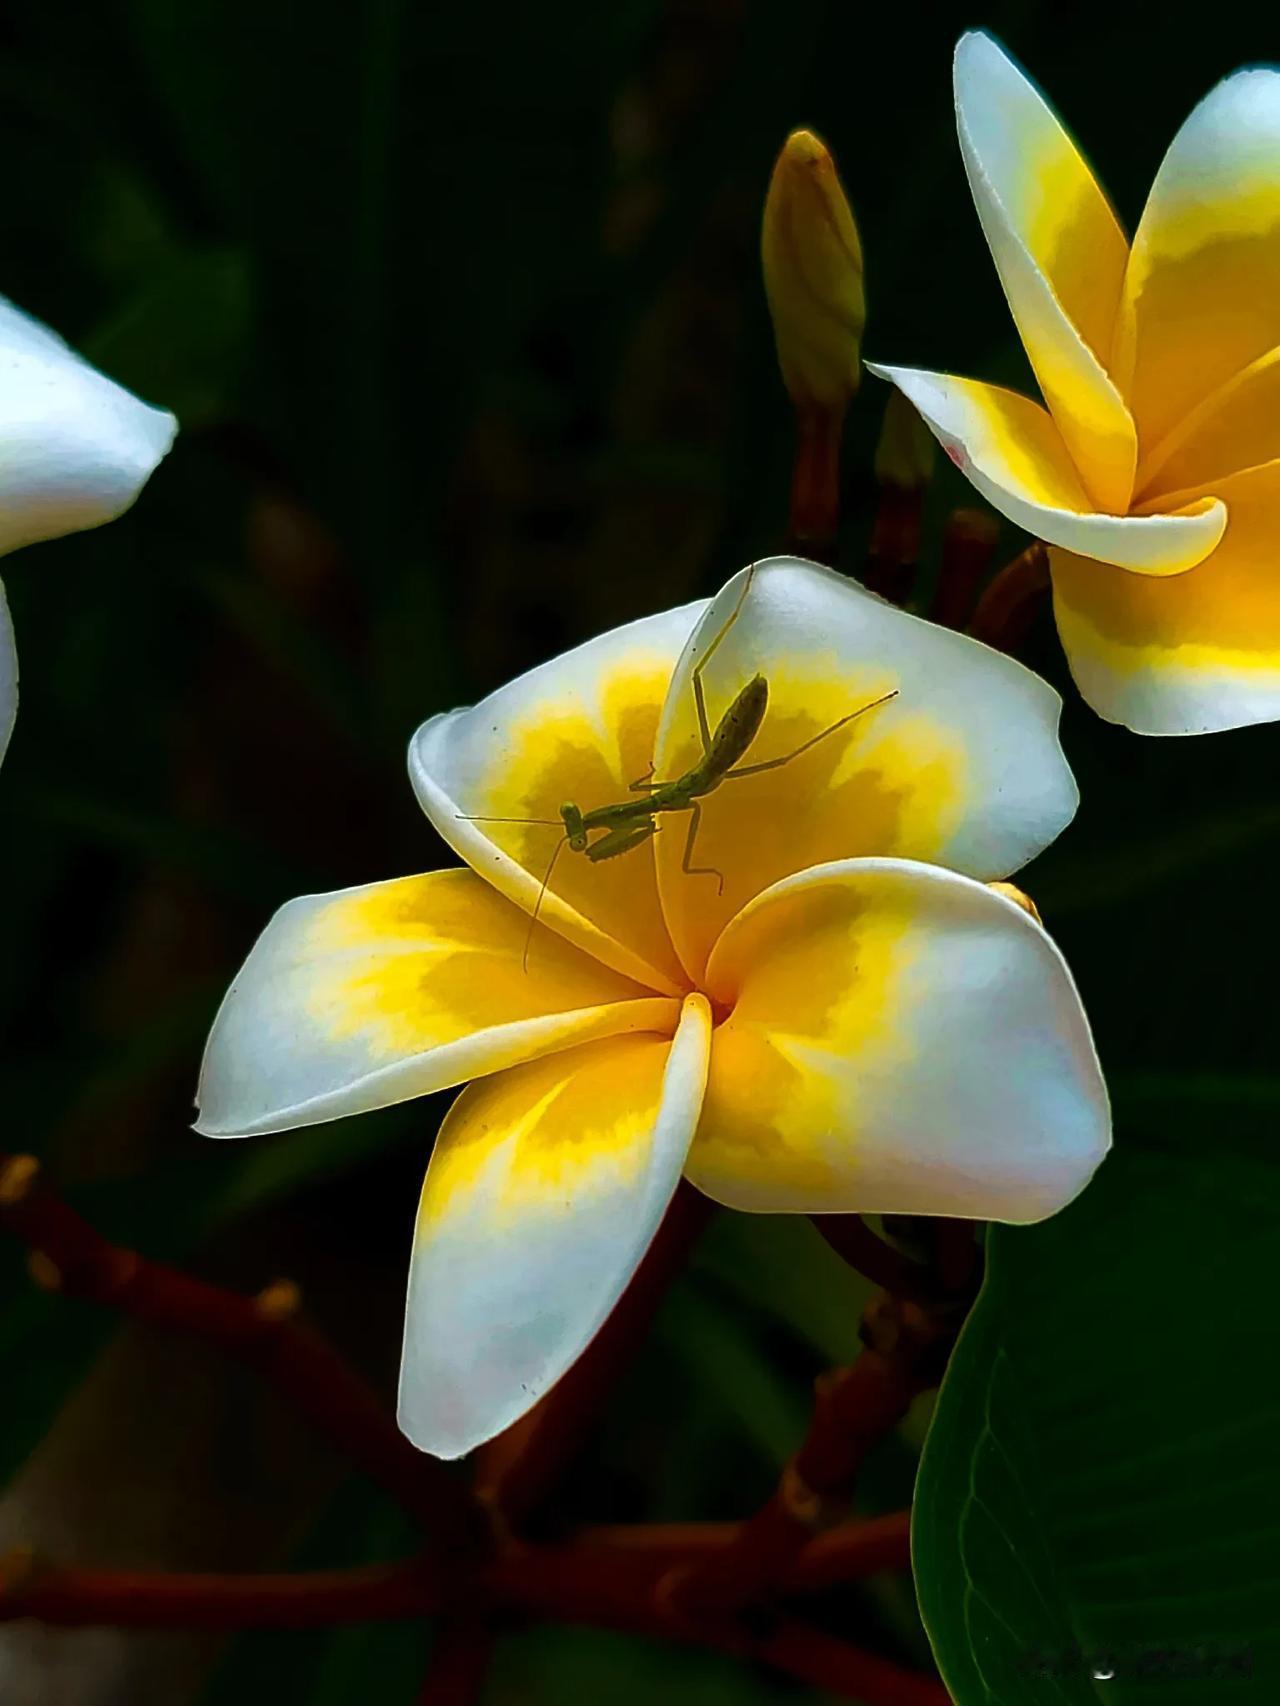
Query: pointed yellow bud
813	275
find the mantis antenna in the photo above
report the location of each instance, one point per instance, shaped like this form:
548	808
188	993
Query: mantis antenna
550	822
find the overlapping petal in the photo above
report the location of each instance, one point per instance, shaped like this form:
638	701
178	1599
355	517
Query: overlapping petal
1011	450
1060	253
355	1000
1191	654
578	729
545	1187
1235	427
8	676
962	766
75	448
899	1040
1200	296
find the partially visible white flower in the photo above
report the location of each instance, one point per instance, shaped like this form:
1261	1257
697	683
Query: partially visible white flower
8	676
75	451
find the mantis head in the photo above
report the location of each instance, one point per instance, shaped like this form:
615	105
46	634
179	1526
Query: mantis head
574	827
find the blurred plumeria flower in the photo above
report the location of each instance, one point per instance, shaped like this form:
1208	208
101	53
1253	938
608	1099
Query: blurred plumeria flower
75	451
1154	474
842	1028
8	675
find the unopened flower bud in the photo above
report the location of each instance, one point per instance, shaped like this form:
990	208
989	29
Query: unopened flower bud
1010	891
906	450
813	276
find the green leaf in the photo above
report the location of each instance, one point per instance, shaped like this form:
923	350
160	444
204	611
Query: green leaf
1197	1104
719	1353
181	340
781	1264
44	1349
1098	1492
330	1667
1081	881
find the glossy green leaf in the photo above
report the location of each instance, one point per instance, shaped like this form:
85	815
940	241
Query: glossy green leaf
1098	1513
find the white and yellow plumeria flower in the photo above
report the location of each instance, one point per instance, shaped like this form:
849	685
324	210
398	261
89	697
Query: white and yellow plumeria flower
75	451
842	1028
1154	474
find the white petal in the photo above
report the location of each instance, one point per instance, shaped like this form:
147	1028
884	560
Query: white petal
75	448
1202	292
545	1188
1060	253
962	767
1183	654
899	1040
580	728
1010	449
356	1000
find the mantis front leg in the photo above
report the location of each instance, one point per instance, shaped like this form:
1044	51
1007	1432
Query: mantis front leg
621	839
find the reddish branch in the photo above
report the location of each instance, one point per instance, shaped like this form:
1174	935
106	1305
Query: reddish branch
842	1554
893	555
854	1409
968	544
515	1470
815	483
646	1580
601	1575
602	1579
855	1243
459	1662
1009	605
138	1599
68	1255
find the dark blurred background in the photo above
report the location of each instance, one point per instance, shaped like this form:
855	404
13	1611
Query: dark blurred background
460	309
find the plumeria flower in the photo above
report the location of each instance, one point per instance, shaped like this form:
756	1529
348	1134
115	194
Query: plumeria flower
75	451
1154	472
842	1027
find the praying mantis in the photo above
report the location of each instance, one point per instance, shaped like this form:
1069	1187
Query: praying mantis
629	823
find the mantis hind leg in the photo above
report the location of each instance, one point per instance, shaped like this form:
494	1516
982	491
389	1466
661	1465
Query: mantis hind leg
699	697
786	757
690	869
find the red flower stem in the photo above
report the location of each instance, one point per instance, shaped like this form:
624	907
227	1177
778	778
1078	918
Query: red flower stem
825	1662
74	1598
595	1583
814	517
459	1662
854	1409
893	555
515	1470
1009	603
957	1255
603	1566
68	1255
845	1553
855	1243
969	542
